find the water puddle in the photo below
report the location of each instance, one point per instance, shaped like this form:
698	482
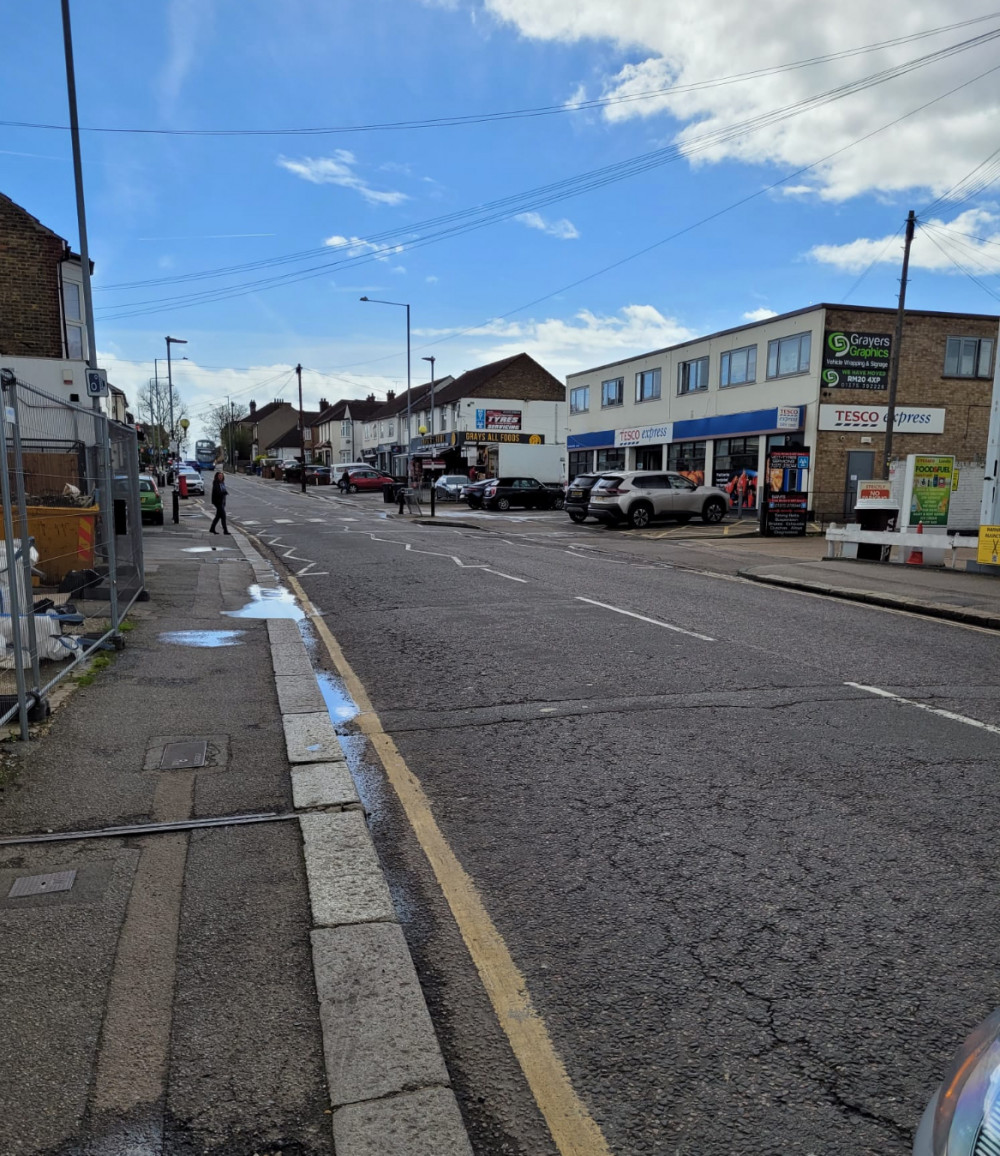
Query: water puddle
203	549
203	637
268	602
339	704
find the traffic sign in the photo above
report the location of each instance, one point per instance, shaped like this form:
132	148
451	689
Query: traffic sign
97	383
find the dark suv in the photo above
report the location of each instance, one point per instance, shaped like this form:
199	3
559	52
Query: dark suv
526	492
578	495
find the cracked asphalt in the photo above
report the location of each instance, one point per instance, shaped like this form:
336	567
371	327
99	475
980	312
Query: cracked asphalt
754	904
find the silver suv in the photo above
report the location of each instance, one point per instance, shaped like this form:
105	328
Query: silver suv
640	496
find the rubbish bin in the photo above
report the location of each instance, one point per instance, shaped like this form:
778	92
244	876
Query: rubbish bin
389	491
879	514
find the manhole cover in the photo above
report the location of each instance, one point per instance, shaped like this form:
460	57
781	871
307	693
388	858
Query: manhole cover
177	755
42	884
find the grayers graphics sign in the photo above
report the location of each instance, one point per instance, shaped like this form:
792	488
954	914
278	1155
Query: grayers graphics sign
856	360
508	419
644	435
909	418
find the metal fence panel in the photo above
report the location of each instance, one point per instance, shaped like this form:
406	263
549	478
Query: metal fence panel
71	559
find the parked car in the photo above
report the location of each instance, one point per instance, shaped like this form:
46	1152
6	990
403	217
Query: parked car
449	487
338	469
318	475
578	496
473	492
191	465
195	484
366	480
639	497
503	493
150	502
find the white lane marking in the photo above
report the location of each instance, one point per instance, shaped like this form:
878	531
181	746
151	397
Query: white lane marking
315	519
501	574
643	618
283	521
247	522
949	714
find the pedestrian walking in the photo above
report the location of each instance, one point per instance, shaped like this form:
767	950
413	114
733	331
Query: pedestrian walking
219	492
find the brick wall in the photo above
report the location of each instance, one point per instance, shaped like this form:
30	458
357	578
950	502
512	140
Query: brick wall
524	379
921	382
30	315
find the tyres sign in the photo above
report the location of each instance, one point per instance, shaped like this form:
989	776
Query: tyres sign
856	360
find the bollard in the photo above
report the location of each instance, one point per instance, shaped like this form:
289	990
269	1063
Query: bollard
177	507
402	497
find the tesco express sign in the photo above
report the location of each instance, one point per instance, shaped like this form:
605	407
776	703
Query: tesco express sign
908	418
645	435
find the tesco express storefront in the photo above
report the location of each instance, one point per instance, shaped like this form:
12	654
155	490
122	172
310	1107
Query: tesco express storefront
724	450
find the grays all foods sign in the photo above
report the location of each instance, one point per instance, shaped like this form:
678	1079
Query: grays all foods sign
856	360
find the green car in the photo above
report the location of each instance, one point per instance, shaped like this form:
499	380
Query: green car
150	502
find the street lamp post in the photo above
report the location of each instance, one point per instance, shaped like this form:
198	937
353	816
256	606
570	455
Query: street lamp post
431	359
170	379
409	391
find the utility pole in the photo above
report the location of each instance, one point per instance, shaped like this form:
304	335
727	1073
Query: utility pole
302	431
897	341
232	437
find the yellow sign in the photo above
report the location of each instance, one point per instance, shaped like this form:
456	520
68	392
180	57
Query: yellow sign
954	480
989	546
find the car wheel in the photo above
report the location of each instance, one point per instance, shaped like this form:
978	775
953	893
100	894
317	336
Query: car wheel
557	503
352	488
714	511
577	516
503	503
639	515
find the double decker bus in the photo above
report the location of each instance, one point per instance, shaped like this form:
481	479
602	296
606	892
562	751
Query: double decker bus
204	454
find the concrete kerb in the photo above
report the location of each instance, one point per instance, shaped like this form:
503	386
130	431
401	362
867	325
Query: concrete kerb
388	1084
938	610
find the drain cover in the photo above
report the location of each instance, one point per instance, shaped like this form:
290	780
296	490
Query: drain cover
42	884
177	755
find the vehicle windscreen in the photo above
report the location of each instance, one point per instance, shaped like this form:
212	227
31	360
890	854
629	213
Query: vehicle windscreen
608	482
583	480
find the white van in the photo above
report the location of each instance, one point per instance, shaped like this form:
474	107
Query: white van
339	467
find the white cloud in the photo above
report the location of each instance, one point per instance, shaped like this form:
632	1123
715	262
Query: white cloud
339	170
928	150
356	246
761	314
578	97
431	279
188	26
563	229
972	238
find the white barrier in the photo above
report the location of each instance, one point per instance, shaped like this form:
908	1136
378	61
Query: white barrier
844	542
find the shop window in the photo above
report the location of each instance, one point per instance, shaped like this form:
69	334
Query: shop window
610	460
580	462
734	468
738	366
787	355
579	399
692	376
968	357
612	392
688	459
649	458
647	385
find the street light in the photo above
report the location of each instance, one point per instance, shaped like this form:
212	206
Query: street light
409	392
170	379
431	359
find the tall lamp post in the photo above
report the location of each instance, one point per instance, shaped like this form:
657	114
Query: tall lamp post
170	378
431	359
409	392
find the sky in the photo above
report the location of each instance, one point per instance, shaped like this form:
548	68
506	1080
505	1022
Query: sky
581	179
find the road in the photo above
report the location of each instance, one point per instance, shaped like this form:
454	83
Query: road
751	898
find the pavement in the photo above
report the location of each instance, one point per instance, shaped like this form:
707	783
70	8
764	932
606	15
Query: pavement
225	974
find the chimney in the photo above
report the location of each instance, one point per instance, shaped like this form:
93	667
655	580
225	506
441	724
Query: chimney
370	397
323	404
253	408
391	395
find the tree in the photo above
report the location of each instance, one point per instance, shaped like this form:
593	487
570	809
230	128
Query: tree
224	424
154	408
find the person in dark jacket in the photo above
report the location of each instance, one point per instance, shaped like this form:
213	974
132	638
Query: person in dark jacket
219	502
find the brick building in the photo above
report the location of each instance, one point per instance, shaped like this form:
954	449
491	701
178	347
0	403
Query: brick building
817	377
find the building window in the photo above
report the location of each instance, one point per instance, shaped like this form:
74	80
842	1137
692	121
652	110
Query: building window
647	385
579	399
738	366
692	376
789	355
580	462
392	429
444	417
968	357
688	458
612	392
610	460
345	429
74	320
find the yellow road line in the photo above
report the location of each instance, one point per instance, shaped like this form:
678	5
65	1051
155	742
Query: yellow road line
573	1129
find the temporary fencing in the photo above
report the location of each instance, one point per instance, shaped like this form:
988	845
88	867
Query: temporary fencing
71	556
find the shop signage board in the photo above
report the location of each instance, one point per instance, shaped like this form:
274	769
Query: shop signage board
503	419
856	360
644	435
874	491
927	488
785	501
988	553
909	418
471	437
789	417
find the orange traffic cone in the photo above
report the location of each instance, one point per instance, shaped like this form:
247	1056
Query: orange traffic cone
916	557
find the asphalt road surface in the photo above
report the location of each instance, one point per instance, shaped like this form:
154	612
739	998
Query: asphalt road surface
753	900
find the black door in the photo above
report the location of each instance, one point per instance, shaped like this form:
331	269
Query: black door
860	465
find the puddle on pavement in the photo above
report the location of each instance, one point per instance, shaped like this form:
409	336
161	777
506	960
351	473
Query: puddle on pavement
268	602
339	704
203	637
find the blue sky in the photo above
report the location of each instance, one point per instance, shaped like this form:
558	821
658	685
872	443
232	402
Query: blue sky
164	205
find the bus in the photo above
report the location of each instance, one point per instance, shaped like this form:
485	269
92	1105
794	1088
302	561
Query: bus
204	454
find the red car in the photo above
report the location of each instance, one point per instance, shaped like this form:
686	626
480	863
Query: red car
366	480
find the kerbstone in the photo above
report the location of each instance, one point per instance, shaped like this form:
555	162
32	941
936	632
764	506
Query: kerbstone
377	1033
299	694
323	785
346	884
283	630
423	1123
290	659
311	738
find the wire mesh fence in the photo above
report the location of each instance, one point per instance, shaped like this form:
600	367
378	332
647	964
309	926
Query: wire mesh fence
71	556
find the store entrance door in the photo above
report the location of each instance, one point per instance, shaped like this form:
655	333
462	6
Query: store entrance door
860	464
649	458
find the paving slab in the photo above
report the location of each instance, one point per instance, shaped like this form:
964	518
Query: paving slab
423	1123
299	694
311	738
283	630
346	884
289	659
323	785
377	1032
